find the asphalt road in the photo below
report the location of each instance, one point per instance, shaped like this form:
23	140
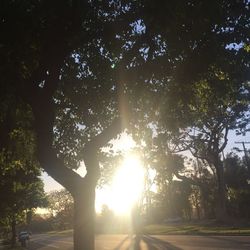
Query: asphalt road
145	242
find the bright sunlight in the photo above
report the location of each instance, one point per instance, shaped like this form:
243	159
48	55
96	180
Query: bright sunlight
127	185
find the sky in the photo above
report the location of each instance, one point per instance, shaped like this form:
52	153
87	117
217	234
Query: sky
103	196
127	142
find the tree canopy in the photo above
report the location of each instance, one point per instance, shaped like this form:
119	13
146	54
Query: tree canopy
85	70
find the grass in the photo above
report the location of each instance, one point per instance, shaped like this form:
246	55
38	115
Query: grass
5	244
8	247
14	248
196	229
65	232
201	228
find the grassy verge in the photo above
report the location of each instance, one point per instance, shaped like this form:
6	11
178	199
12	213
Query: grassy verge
8	247
184	229
194	229
68	232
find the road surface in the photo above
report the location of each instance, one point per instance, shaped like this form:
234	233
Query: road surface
145	242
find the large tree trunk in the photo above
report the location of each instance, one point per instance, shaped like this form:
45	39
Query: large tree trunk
84	219
84	205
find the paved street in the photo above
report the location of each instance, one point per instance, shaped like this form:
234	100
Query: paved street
122	242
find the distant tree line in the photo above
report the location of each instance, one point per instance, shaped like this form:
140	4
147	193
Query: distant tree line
195	197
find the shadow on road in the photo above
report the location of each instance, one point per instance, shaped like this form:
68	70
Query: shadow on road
35	246
234	242
150	242
121	243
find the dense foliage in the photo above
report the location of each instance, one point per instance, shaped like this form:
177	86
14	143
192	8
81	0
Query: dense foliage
85	70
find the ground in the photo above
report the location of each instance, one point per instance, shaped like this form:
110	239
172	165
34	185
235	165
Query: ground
144	242
190	236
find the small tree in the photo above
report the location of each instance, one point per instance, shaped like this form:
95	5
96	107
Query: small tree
61	207
237	182
20	193
21	188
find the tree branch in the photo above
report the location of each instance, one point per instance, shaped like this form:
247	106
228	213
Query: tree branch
186	179
43	109
103	138
225	140
56	168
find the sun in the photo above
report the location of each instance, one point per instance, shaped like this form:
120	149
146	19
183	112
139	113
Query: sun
127	185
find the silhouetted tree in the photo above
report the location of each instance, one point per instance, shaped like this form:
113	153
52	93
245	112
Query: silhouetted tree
80	66
21	188
237	183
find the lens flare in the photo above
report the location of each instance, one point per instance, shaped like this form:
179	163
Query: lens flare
127	185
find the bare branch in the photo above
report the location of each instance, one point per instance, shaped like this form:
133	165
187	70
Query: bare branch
225	140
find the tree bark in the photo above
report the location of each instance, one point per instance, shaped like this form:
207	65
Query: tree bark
84	219
84	205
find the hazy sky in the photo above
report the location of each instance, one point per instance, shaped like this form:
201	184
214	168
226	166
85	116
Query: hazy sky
50	184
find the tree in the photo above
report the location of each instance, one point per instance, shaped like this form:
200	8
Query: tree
220	79
21	188
236	179
55	39
215	108
20	193
87	69
207	91
217	113
61	208
204	193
